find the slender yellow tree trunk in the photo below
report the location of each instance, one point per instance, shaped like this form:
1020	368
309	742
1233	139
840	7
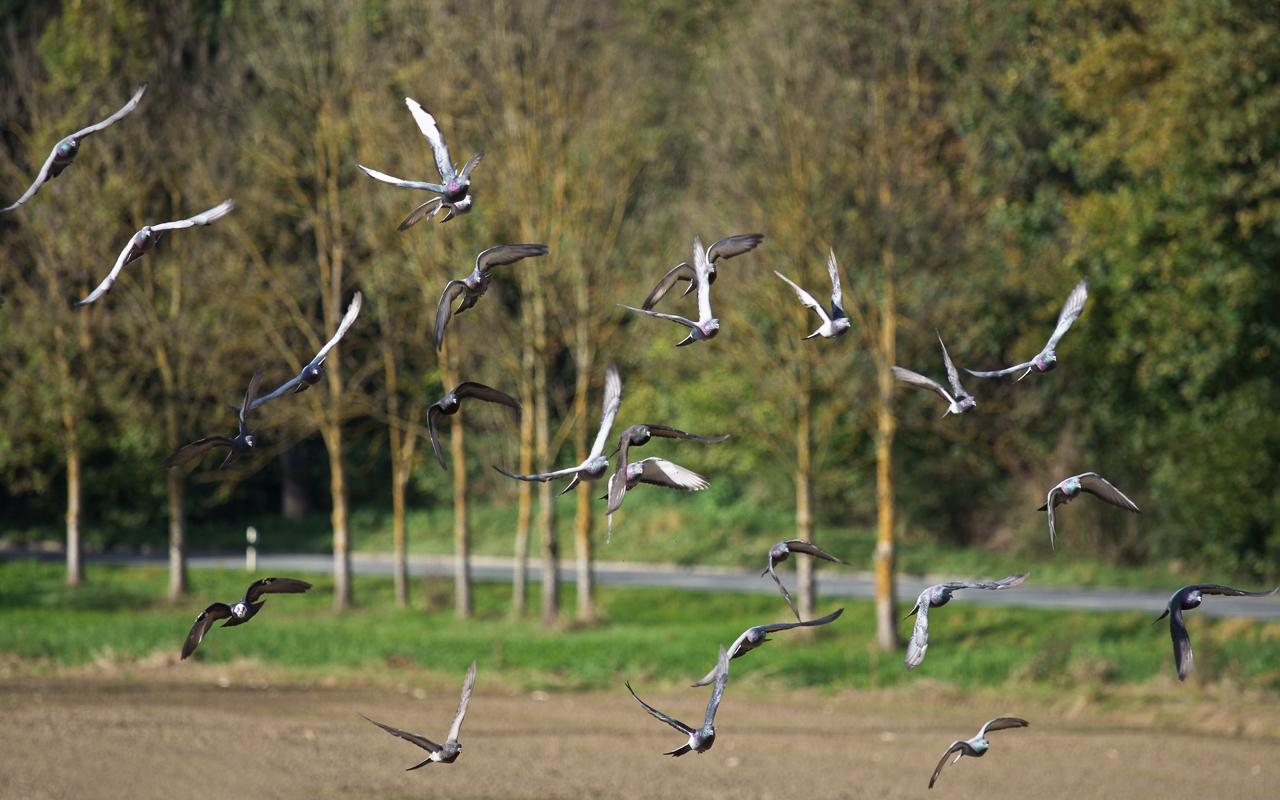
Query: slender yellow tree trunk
804	492
177	537
519	589
582	520
546	500
339	518
399	568
75	550
886	617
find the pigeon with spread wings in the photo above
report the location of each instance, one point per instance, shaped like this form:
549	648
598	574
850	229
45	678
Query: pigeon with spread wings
241	444
1185	599
834	324
978	745
940	595
314	371
707	326
1047	358
144	241
781	551
455	183
1070	489
451	402
65	151
754	637
473	287
958	401
448	752
725	248
638	436
596	463
700	739
241	612
654	471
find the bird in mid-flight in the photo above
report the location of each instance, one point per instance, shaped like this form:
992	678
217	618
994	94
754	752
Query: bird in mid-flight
241	444
940	595
752	638
448	752
707	326
700	739
727	247
144	241
654	471
1070	489
596	463
834	324
455	183
978	745
1047	358
451	402
476	284
65	151
958	402
241	612
781	551
1185	599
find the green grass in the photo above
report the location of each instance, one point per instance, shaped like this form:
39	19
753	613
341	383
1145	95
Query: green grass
660	636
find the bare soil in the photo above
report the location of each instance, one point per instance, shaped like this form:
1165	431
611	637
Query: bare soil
90	736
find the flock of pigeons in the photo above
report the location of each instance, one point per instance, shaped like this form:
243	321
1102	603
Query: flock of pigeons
453	195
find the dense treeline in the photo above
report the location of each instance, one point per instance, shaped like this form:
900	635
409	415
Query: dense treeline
967	162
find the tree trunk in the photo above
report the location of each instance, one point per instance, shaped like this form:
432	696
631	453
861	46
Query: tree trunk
177	538
886	616
546	500
340	519
399	568
295	500
803	479
582	520
461	530
582	552
519	590
75	565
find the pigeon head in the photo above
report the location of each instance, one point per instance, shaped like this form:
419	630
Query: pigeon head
840	326
67	149
311	374
463	206
939	596
1071	486
1045	362
634	471
249	441
240	610
705	737
1192	600
145	239
710	328
982	745
596	467
967	403
779	553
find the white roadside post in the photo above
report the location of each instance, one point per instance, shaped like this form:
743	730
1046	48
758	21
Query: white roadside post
251	552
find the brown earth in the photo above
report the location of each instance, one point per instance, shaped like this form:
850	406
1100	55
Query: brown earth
105	736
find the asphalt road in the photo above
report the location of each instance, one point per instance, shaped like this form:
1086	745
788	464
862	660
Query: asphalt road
832	582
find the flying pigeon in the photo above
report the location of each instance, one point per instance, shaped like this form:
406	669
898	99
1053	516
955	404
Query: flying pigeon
707	326
960	403
638	436
754	637
64	152
836	323
940	595
451	402
1047	359
476	284
779	553
1185	599
313	371
144	241
241	612
1070	489
978	745
596	464
725	248
448	752
701	739
456	184
655	471
242	443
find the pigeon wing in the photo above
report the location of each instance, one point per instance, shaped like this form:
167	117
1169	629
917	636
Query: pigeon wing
612	401
433	417
1213	588
953	377
919	643
938	771
783	589
655	713
683	272
660	472
274	586
1002	723
445	310
249	394
1000	373
1099	487
481	392
662	431
507	254
688	323
468	684
385	178
806	299
837	296
353	311
916	379
427	124
195	449
126	255
204	622
801	546
1182	657
470	165
39	181
1070	312
722	678
1003	583
731	246
542	477
786	626
199	220
702	276
124	111
420	741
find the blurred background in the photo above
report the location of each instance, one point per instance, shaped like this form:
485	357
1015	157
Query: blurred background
967	162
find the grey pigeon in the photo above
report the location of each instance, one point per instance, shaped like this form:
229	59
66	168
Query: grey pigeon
638	436
654	471
779	553
448	752
313	371
754	637
473	287
958	401
1070	489
700	739
241	612
65	151
242	444
725	248
596	464
1185	599
978	745
454	184
144	241
836	323
1047	359
940	595
451	402
707	326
